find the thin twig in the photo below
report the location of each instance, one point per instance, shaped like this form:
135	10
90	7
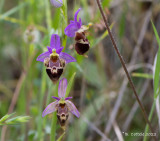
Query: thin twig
117	131
124	66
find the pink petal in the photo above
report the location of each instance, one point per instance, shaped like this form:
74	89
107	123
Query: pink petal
50	108
62	87
42	56
57	98
67	98
55	41
72	108
67	57
49	49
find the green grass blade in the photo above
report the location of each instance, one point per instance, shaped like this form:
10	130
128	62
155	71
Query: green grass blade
60	138
1	5
70	84
13	10
143	75
48	15
53	127
155	79
157	64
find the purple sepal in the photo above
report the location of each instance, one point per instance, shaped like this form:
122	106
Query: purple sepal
76	14
72	108
57	3
57	98
42	56
67	98
62	87
50	108
73	27
67	57
55	42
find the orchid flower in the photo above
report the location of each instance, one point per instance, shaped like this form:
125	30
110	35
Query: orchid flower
62	105
77	30
54	59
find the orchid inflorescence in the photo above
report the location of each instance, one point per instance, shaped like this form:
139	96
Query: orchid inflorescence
55	61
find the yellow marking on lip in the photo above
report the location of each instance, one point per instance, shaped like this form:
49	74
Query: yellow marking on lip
62	101
54	56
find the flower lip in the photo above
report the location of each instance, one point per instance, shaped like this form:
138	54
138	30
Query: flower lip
54	73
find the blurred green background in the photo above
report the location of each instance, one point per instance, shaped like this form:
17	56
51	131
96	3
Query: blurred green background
100	90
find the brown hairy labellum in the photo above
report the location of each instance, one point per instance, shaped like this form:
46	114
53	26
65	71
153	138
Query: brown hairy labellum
54	73
62	114
54	70
82	44
54	58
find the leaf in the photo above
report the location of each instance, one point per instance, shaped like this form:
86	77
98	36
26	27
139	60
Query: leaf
59	139
143	75
70	84
156	64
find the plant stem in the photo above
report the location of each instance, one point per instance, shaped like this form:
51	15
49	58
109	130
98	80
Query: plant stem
48	15
124	66
53	127
150	117
42	90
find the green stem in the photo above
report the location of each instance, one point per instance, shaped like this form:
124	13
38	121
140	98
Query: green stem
53	127
65	22
48	16
43	85
48	100
1	5
150	117
54	118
